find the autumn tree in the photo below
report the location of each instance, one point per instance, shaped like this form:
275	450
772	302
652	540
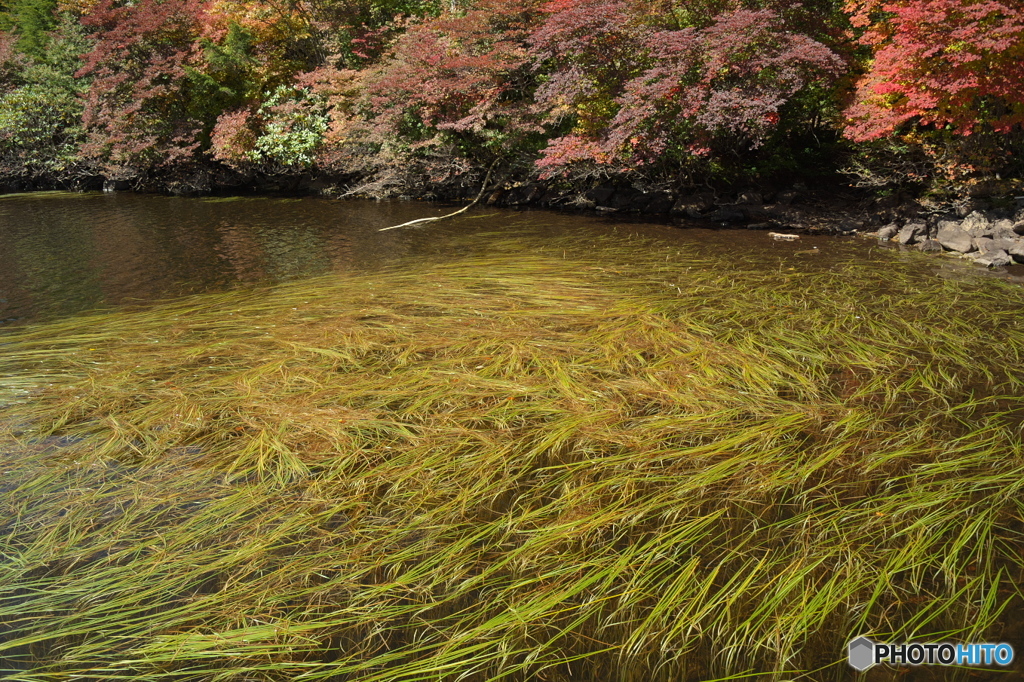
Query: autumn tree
952	63
355	33
455	91
140	110
945	76
632	92
587	52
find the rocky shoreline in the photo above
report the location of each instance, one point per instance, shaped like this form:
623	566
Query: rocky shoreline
990	238
987	235
988	231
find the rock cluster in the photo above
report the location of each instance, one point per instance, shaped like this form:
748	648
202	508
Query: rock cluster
991	239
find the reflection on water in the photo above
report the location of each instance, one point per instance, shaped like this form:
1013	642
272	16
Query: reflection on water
62	253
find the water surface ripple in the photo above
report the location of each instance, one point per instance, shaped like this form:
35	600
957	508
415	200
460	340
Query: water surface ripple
63	253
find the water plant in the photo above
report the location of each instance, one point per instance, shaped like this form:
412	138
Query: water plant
625	463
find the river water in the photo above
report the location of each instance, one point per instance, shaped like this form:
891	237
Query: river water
841	410
63	253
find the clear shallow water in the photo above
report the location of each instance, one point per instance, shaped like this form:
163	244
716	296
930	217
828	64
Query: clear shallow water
805	392
64	253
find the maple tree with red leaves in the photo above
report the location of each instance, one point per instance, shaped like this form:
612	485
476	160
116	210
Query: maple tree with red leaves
137	110
440	89
940	63
946	83
456	90
638	94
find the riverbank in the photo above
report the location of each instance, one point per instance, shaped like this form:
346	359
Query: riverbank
823	206
986	229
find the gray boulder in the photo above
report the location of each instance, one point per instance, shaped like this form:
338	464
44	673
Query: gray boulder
887	232
987	244
983	244
1003	244
930	246
993	259
1003	230
911	232
977	225
1017	251
953	237
1018	227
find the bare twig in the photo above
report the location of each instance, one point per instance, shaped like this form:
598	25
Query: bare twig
449	215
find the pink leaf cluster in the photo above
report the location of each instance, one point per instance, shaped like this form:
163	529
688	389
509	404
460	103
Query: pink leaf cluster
670	91
233	137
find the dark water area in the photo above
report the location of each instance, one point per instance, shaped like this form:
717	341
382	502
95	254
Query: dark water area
64	253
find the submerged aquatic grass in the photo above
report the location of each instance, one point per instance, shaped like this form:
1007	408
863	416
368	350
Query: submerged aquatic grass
635	464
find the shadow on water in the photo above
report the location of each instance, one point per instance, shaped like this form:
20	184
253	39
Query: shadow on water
63	253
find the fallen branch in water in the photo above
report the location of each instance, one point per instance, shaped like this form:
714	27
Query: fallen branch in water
450	215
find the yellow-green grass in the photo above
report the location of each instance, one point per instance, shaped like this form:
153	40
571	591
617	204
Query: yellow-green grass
639	464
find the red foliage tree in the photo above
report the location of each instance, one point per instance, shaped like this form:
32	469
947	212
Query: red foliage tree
939	63
637	93
460	83
590	47
730	79
137	111
233	137
165	71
